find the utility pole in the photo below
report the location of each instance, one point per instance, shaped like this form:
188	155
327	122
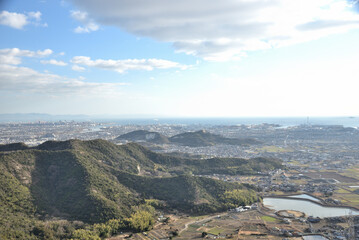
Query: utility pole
351	226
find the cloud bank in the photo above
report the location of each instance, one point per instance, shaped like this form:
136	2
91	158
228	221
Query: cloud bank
23	79
122	66
16	79
226	29
53	62
13	55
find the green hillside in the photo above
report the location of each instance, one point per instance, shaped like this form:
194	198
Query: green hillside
200	138
16	207
203	138
95	181
184	192
143	135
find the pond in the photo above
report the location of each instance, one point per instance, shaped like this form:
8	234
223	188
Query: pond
309	208
314	237
306	196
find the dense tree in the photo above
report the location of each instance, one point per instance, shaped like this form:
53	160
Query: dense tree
141	221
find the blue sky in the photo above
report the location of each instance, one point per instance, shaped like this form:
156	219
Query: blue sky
229	58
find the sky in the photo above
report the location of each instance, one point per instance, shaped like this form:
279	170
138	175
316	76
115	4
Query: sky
188	58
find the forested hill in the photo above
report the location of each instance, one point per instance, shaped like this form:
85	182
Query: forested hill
203	138
200	138
94	181
143	135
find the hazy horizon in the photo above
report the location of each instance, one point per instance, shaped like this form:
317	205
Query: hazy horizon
178	116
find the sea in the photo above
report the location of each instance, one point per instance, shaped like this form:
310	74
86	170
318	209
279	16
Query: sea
282	121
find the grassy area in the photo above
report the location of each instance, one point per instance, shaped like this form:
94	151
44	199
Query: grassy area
215	231
297	163
274	149
300	181
352	198
341	190
269	219
195	226
276	193
294	162
352	172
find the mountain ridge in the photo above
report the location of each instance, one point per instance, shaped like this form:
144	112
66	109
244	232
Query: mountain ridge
201	138
144	135
95	181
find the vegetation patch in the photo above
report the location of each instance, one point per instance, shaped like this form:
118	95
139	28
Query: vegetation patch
269	219
274	149
333	175
216	231
341	190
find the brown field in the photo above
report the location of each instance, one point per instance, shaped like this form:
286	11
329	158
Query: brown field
333	175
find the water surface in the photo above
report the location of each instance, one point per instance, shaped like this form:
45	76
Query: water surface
309	208
306	196
314	237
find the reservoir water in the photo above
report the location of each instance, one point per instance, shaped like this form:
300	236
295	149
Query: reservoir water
314	237
309	208
306	196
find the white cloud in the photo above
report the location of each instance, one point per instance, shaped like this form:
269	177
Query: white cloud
44	53
23	79
13	19
90	27
35	15
227	29
128	64
18	79
78	68
13	55
88	24
53	62
19	20
79	16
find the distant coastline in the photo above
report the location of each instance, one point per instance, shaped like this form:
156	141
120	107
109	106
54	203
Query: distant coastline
282	121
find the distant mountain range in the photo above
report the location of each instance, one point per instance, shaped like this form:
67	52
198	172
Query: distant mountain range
200	138
94	181
33	117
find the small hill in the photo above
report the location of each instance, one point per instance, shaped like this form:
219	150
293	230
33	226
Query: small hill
144	136
200	138
203	138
